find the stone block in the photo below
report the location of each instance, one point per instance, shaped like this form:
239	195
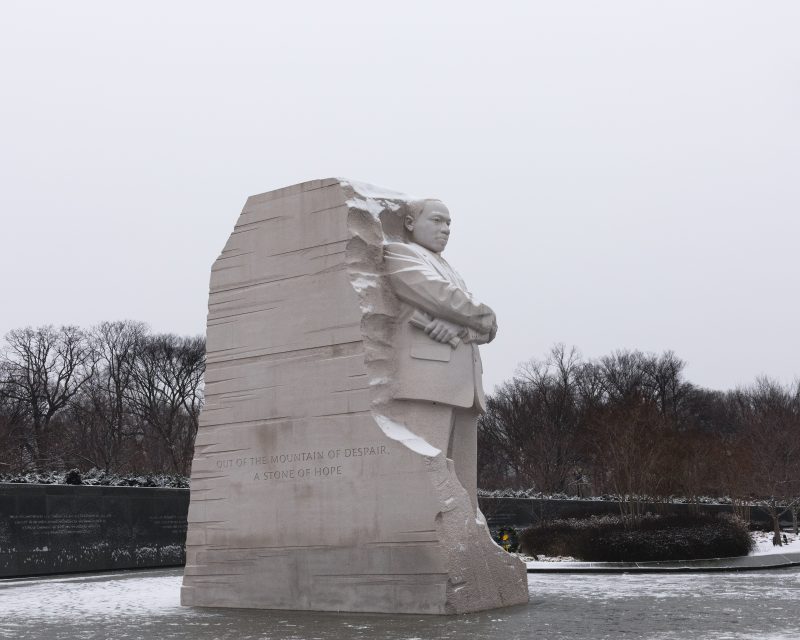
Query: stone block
305	493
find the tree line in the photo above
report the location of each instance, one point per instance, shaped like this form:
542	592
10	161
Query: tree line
119	398
115	397
631	425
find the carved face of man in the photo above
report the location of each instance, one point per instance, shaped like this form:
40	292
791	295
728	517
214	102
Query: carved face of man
431	228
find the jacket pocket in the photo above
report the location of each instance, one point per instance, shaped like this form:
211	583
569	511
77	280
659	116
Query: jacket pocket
432	351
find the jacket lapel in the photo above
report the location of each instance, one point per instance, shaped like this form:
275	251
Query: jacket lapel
441	267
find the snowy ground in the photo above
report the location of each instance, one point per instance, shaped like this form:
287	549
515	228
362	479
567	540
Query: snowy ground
764	544
138	605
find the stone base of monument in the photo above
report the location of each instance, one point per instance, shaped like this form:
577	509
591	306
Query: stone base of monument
304	494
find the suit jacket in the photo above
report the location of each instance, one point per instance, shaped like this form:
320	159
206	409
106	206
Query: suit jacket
427	369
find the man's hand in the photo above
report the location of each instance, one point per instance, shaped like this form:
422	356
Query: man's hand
442	330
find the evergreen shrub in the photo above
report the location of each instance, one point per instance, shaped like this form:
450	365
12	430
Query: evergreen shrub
610	539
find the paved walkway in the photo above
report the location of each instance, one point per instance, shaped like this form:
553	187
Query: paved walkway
740	563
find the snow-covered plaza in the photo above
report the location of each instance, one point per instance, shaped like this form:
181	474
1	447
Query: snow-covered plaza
143	605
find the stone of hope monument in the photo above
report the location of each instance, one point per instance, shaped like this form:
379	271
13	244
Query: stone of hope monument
335	464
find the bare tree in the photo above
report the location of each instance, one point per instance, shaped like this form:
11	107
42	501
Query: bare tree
102	416
662	378
506	436
45	368
692	464
628	430
629	445
166	392
772	432
12	425
622	376
554	388
533	422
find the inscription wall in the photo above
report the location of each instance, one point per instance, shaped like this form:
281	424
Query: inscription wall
48	529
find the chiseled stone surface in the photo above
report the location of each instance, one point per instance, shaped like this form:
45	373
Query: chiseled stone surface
305	493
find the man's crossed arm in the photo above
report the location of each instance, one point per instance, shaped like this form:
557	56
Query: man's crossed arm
453	313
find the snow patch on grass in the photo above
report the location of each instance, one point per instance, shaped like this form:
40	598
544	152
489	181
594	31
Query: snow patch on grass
765	547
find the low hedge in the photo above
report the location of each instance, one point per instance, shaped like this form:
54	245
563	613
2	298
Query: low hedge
96	477
610	539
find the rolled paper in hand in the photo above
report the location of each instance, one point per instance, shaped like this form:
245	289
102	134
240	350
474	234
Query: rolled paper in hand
421	320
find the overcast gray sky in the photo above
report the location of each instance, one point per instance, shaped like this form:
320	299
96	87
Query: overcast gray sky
620	174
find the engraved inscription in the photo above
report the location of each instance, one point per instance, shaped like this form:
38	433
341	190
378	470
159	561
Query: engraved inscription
60	524
171	522
331	463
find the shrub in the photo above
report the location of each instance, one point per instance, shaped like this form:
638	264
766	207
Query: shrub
73	477
95	477
607	539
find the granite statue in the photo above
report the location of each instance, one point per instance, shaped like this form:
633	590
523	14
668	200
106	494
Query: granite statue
438	378
334	466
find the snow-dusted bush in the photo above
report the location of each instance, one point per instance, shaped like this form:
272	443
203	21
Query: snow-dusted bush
96	477
608	539
606	497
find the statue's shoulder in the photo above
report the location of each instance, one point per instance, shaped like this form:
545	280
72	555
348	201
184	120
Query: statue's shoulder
403	249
